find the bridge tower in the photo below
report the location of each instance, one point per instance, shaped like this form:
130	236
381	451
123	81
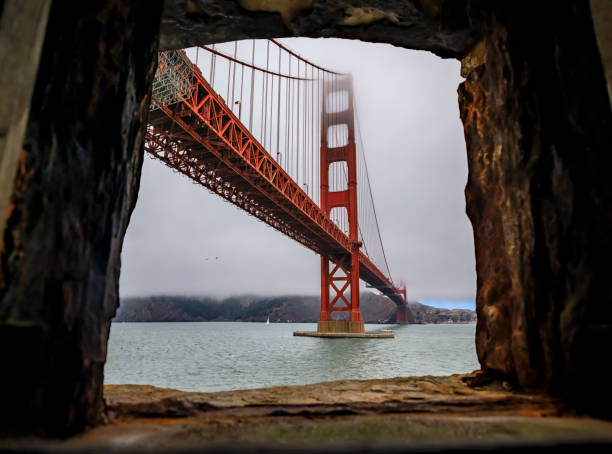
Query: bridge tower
341	272
403	314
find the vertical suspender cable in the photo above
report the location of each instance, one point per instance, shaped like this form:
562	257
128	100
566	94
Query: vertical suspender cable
265	126
263	112
288	126
304	161
319	126
278	108
212	68
297	124
229	72
252	88
312	132
241	85
232	101
292	126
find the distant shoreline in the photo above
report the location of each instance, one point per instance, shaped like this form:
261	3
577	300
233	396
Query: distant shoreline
376	309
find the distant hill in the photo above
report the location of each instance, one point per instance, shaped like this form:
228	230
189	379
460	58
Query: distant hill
374	308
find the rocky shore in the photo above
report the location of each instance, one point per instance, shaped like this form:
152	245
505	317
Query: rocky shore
400	411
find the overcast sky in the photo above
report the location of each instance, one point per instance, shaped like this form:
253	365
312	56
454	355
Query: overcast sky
184	240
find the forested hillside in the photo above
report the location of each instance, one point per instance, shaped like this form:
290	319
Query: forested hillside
375	309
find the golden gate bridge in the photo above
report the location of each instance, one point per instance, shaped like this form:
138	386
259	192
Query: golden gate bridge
277	136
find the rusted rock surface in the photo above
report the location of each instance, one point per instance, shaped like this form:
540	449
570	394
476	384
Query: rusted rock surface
79	172
76	186
444	27
427	394
419	414
537	125
398	410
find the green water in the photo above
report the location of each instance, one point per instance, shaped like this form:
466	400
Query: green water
219	356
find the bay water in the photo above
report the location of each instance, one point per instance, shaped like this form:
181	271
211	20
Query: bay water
219	356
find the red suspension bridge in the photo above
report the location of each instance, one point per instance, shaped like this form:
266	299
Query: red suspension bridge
276	135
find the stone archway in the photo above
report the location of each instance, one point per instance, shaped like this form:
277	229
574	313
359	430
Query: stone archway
537	123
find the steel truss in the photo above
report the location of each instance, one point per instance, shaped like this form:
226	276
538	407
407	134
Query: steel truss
192	130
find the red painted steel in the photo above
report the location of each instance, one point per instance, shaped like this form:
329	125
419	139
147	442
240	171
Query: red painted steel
404	315
349	264
202	138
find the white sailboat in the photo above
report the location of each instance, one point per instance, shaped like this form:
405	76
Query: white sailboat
268	321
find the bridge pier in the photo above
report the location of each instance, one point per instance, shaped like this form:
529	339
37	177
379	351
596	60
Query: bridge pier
340	326
401	316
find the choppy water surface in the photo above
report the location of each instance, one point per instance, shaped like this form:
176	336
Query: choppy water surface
218	356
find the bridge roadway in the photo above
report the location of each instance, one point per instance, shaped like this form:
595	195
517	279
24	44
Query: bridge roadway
200	137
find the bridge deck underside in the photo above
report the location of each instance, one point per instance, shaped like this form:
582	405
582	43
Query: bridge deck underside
201	149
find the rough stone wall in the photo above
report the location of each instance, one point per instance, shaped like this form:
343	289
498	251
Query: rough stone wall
538	130
440	26
76	186
601	11
22	32
537	125
79	169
